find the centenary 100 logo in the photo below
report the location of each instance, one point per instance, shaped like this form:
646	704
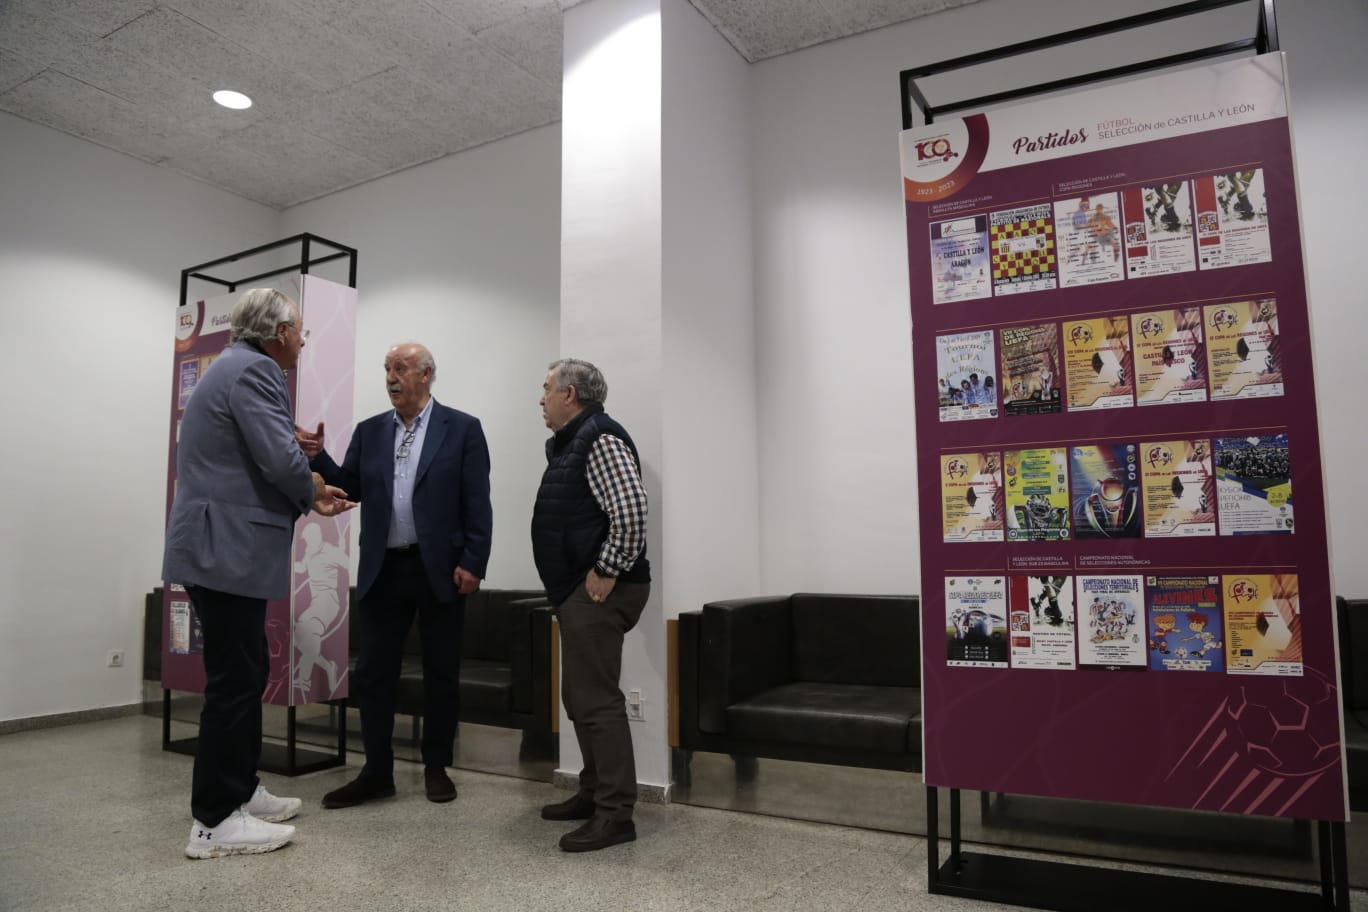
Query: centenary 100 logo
1224	318
1158	456
956	468
1244	590
1081	334
1151	326
938	148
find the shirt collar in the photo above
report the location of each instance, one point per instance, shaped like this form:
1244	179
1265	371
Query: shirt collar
420	421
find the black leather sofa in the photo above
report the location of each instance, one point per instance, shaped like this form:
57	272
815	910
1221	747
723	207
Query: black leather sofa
505	661
819	678
505	664
1353	644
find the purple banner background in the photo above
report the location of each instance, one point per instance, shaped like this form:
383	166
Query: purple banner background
1246	744
322	548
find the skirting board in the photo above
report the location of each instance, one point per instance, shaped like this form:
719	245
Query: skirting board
12	726
650	794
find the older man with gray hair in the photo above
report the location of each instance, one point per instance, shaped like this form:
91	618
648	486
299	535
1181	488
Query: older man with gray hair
421	471
241	481
589	545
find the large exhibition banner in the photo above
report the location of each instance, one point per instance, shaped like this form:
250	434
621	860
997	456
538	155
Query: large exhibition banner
307	632
1126	585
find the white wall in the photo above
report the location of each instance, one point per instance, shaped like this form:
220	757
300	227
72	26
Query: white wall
92	243
839	501
710	482
1328	75
463	255
611	282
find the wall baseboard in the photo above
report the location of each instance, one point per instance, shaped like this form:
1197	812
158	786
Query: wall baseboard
13	726
646	792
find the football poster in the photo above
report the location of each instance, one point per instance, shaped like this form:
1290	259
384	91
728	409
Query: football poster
1098	365
1031	381
1170	360
972	504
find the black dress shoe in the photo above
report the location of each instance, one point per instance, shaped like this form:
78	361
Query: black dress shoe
439	786
578	807
598	833
359	791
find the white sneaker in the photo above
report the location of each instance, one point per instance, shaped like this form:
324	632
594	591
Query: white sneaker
239	834
267	807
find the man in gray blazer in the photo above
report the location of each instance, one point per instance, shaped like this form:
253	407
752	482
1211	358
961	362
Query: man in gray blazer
241	481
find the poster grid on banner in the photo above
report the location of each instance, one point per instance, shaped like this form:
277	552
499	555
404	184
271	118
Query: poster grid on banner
1123	601
306	632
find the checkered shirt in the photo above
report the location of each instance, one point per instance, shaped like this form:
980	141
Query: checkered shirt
616	485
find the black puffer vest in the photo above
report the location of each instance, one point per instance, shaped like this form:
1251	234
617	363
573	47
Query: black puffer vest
568	526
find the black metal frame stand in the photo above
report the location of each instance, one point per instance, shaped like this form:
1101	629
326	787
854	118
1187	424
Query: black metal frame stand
1066	887
1263	41
287	759
306	260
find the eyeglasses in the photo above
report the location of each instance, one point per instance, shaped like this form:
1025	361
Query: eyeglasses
303	333
406	444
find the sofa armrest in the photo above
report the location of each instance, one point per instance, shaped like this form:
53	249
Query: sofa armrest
152	634
529	655
687	635
1353	644
745	647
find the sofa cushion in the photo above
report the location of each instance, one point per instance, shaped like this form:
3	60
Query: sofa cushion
1353	641
486	686
852	716
856	639
743	651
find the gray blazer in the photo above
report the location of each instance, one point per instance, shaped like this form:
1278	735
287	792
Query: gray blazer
241	481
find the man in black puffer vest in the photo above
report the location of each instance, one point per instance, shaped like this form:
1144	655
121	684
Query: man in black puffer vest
589	544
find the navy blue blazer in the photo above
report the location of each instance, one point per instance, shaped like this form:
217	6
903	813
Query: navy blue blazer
451	508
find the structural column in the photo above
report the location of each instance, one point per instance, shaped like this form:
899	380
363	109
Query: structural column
656	290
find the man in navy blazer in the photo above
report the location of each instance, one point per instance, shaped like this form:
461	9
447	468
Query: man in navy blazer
241	481
421	470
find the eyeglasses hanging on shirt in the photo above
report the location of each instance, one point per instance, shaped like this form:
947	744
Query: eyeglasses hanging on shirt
406	444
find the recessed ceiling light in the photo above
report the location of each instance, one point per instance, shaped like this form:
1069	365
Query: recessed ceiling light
235	100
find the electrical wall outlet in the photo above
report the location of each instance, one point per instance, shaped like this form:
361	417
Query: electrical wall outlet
115	658
636	708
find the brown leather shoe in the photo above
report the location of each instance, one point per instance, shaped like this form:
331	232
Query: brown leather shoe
439	786
578	807
359	791
598	833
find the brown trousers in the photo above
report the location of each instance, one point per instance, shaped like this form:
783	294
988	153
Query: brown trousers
591	665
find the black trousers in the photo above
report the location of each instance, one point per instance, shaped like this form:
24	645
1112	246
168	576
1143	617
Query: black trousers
591	664
236	665
400	594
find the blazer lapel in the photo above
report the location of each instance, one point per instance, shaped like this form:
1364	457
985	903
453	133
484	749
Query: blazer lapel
436	431
384	450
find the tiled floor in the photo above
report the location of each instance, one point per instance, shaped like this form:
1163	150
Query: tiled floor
94	817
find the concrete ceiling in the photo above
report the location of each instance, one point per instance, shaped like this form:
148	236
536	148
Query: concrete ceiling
345	91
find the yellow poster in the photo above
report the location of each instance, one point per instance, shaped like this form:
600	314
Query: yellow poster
1170	362
1097	364
1243	349
1179	488
971	497
1263	624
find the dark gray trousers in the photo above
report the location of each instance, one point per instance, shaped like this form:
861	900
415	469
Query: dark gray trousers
591	665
